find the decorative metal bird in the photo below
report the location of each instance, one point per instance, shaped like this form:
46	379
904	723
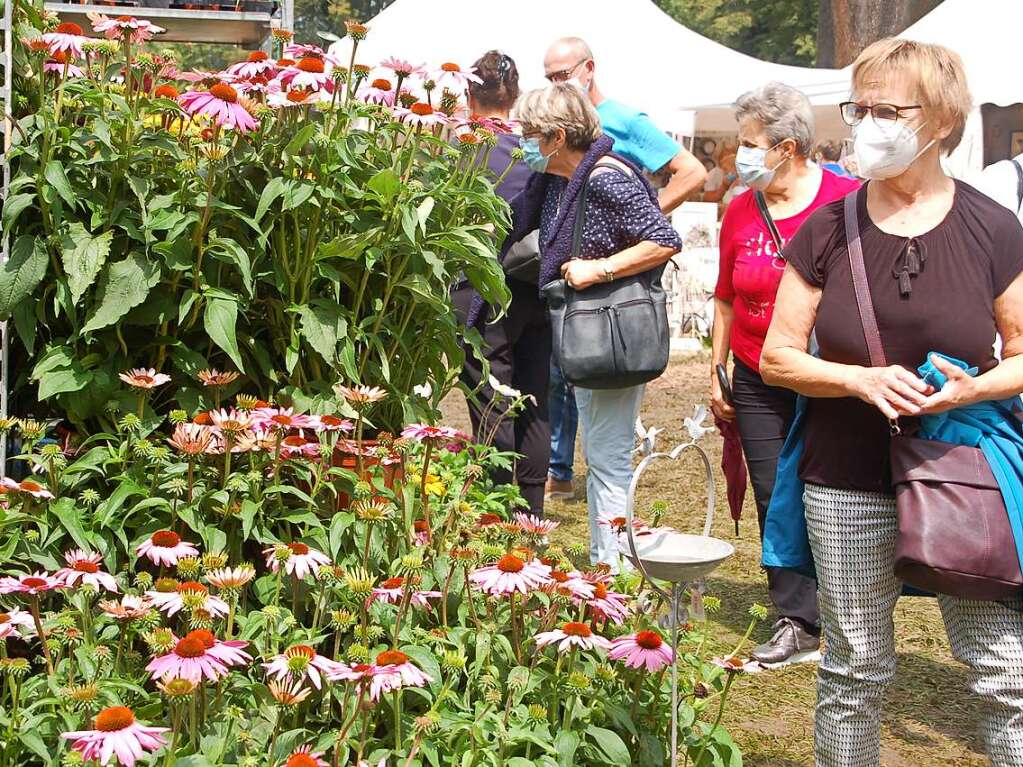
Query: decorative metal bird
694	425
645	438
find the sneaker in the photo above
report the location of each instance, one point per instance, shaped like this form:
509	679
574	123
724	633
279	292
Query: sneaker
790	638
558	488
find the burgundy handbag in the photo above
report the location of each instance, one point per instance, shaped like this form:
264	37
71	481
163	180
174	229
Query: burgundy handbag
954	535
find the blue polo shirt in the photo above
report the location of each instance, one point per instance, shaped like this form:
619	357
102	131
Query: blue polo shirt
636	137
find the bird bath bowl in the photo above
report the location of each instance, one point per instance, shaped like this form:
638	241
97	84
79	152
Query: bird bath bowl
664	554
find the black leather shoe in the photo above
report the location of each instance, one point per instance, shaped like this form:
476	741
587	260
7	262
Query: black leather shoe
789	638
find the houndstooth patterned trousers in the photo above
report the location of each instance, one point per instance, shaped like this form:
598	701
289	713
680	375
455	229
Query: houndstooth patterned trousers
852	535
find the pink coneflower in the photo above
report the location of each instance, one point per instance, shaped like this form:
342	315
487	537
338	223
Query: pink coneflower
67	38
366	674
221	103
257	84
190	659
84	566
454	76
360	396
33	585
571	583
144	378
572	635
116	733
308	73
298	51
165	547
301	561
25	487
188	594
731	664
398	672
422	432
379	91
304	756
420	114
493	125
403	67
59	65
328	423
281	418
297	446
288	693
608	605
140	30
644	648
231	578
533	525
215	378
230	422
191	439
129	608
258	63
295	97
389	592
230	653
510	574
15	623
301	661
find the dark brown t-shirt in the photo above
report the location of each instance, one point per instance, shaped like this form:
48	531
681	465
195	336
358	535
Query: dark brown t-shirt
969	259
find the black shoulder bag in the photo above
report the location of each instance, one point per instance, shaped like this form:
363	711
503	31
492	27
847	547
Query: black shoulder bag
765	214
610	335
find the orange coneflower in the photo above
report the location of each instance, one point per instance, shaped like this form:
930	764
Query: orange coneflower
214	377
360	396
191	439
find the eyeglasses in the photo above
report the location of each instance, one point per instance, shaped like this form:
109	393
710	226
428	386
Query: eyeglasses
564	74
853	113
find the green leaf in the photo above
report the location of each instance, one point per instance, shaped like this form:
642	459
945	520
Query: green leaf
83	256
70	518
323	327
54	174
124	285
566	744
296	193
61	381
386	184
423	212
55	358
610	745
25	323
273	190
341	522
220	320
230	251
300	139
21	274
14	206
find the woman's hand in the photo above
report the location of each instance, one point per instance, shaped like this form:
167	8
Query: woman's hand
581	273
959	390
893	390
718	404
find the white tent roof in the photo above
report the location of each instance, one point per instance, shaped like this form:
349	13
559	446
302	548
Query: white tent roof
644	57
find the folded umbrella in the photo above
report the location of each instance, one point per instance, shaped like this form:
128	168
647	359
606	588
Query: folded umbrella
733	465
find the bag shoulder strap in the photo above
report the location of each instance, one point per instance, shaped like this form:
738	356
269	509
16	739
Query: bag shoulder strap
765	214
580	211
860	285
1019	184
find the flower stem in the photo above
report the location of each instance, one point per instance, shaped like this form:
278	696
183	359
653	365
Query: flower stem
397	720
34	607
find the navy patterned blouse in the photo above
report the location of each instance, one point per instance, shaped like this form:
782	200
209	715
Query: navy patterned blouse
619	214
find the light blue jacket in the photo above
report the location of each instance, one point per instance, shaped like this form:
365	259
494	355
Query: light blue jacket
994	427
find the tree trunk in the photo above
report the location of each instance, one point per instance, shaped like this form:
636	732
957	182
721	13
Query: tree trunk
846	27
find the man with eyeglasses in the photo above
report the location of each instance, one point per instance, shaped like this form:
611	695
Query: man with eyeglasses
636	137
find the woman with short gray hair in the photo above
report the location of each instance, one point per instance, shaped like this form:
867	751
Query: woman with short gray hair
776	137
623	233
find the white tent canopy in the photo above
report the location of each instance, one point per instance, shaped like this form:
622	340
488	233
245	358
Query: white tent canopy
644	57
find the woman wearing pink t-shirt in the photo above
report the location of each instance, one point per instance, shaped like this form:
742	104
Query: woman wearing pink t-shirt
776	137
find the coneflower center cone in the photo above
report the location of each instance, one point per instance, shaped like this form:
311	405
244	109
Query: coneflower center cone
204	636
190	647
85	566
114	718
421	109
392	658
258	56
393	583
165	539
577	629
510	563
230	95
33	583
310	64
649	640
68	28
298	548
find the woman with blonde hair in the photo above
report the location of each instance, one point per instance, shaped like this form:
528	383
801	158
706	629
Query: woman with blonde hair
942	266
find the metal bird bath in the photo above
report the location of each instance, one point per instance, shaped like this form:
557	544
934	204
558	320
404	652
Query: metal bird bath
677	558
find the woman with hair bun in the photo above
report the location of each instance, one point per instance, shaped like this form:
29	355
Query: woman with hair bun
518	346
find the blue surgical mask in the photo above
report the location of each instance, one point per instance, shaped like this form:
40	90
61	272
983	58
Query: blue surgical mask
751	165
533	156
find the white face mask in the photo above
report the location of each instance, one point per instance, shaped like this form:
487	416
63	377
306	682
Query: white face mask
578	84
885	148
751	165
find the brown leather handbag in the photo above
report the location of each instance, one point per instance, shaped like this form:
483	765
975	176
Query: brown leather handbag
954	535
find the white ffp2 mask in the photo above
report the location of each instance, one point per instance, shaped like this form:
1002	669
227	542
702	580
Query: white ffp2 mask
885	148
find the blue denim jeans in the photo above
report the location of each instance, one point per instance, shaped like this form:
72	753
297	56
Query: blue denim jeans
609	422
564	419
